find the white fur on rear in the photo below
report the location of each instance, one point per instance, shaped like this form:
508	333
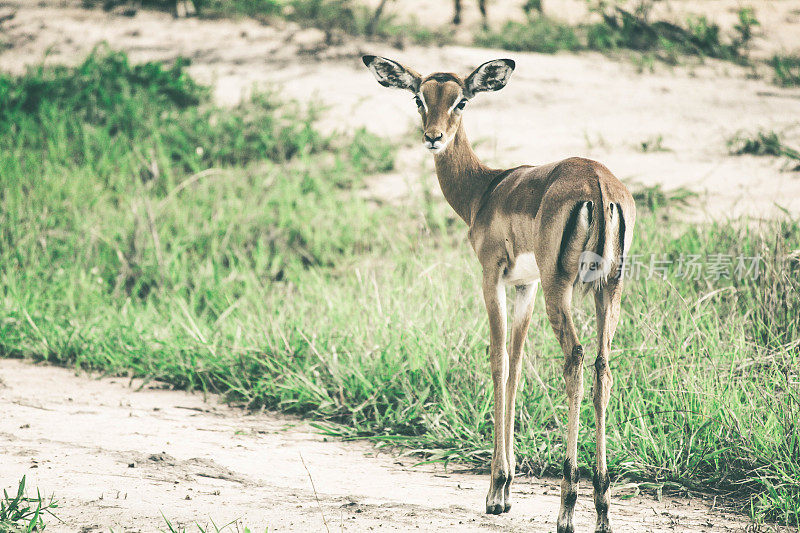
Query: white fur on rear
580	240
524	271
611	251
594	269
583	218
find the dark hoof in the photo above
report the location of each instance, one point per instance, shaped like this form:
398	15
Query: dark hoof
494	508
506	507
566	529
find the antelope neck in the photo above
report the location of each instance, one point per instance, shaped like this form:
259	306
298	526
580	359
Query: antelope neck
463	178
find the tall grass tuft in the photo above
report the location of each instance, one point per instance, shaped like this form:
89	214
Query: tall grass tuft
630	30
539	34
787	70
20	512
764	143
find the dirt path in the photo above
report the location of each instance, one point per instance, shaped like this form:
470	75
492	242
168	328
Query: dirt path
118	457
555	106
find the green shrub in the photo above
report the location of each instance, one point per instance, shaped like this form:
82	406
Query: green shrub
622	29
330	14
539	34
250	8
354	18
763	143
21	512
205	8
93	114
787	70
134	144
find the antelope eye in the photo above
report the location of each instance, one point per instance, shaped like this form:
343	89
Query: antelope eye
462	104
418	101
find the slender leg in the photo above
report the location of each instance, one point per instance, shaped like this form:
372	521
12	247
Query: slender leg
558	300
607	304
523	308
457	15
495	298
484	17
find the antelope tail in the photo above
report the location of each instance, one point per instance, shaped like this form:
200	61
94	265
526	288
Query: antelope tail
592	245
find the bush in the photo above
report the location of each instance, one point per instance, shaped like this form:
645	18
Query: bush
763	143
134	164
787	70
250	8
539	34
24	513
622	29
354	18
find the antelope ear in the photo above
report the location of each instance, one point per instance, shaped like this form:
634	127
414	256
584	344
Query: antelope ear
392	74
491	76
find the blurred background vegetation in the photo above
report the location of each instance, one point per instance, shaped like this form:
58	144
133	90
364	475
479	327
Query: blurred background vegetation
611	27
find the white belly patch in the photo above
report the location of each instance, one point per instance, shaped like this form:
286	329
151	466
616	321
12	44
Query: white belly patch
525	271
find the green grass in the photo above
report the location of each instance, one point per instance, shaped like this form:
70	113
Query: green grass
349	17
227	8
622	29
271	280
655	198
22	513
764	143
235	526
787	70
355	19
654	144
205	8
539	34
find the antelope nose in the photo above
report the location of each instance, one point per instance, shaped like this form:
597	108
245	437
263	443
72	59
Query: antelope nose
432	140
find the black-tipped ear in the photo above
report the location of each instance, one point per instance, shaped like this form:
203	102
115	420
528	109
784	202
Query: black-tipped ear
491	76
391	73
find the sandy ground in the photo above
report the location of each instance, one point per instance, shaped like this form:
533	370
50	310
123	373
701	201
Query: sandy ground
196	461
117	455
554	107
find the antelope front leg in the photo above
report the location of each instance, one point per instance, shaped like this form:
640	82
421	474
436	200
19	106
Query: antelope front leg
523	307
495	298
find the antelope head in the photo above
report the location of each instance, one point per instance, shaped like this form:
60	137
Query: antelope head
440	97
